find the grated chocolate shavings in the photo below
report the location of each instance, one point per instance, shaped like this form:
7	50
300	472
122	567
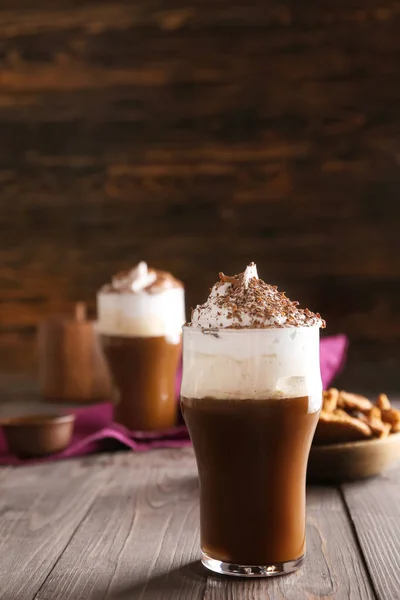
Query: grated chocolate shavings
247	298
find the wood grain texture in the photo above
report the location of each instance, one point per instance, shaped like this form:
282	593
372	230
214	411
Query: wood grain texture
332	554
40	508
374	508
199	137
125	526
140	538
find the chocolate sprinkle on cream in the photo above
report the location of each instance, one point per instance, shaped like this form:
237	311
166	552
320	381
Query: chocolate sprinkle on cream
246	302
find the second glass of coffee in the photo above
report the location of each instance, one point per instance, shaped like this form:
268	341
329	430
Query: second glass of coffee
251	395
140	317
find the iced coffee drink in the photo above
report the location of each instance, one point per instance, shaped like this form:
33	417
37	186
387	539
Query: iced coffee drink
140	317
251	395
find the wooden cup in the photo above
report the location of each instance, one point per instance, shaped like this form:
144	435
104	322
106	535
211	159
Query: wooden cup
72	367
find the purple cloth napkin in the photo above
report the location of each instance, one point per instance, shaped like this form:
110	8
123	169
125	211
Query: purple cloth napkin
95	431
333	354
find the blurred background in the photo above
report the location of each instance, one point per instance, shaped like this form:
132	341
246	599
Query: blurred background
199	136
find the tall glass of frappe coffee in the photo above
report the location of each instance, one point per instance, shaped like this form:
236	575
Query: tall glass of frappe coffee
251	396
140	318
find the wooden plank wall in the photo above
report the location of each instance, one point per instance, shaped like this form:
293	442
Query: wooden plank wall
200	135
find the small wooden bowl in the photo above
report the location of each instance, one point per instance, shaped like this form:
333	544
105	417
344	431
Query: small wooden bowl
38	435
352	460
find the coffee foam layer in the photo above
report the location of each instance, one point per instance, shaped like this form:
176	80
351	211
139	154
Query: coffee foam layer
252	364
142	314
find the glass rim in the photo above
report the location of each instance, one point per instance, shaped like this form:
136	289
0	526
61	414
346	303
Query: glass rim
234	330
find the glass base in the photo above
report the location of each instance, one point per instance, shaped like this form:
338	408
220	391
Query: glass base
224	568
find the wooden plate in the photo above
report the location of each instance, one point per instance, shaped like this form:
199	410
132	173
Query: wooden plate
352	460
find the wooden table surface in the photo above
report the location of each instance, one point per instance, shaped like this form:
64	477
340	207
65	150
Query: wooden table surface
126	526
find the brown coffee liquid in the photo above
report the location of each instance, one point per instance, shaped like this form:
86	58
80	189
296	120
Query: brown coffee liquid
144	371
252	459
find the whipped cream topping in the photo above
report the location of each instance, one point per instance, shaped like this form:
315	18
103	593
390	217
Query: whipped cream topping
245	301
137	279
141	279
142	302
249	341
